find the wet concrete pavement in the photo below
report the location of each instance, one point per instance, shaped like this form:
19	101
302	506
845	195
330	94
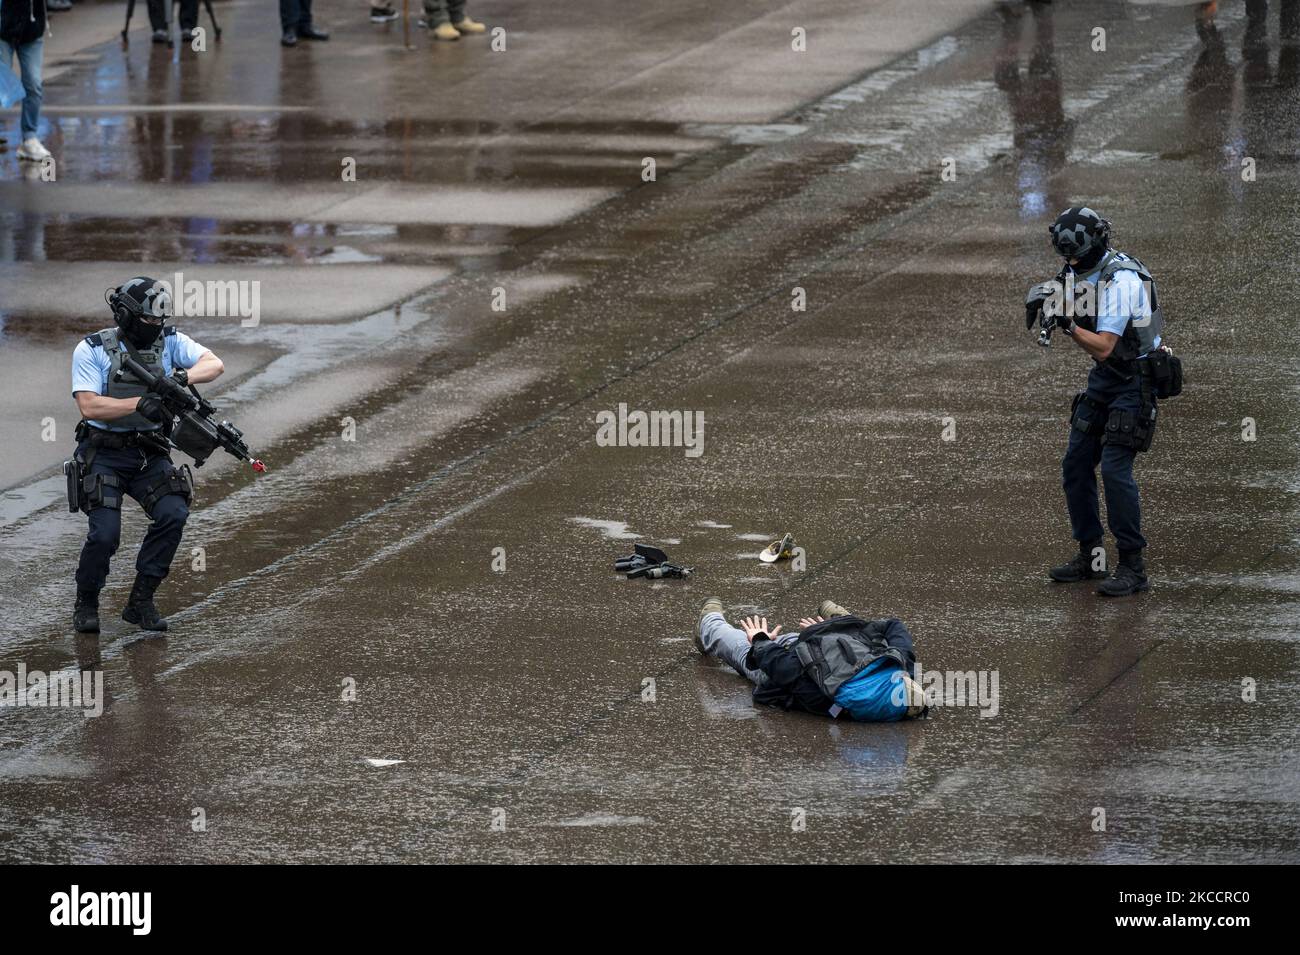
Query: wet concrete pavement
521	690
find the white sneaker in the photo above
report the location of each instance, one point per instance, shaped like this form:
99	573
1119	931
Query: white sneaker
32	149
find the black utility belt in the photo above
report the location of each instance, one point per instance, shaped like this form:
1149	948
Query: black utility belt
117	440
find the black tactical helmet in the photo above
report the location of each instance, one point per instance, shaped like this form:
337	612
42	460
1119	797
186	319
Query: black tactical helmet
1080	233
134	301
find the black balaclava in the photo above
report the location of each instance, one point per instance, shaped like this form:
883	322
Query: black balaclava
1089	261
135	299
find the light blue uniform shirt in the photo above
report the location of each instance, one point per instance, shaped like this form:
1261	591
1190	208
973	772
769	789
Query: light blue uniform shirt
1122	300
91	364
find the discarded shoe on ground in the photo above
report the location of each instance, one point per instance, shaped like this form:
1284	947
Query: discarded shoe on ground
778	550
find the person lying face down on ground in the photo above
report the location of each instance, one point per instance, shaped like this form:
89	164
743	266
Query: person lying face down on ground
836	665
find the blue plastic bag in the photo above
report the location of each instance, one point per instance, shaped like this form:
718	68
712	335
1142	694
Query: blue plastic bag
11	88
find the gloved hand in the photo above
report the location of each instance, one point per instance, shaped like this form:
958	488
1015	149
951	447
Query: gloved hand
182	377
152	407
1038	294
168	388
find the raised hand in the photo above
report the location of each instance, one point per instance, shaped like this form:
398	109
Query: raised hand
755	625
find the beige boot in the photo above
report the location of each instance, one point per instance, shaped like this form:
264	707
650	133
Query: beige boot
914	695
830	608
712	605
469	25
445	31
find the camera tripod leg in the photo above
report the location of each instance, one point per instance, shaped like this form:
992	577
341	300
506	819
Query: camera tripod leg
130	9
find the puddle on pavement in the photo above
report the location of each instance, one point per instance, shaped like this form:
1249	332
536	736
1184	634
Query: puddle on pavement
613	530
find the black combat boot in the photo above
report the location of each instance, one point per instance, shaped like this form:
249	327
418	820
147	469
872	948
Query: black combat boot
85	614
140	608
1080	568
1129	577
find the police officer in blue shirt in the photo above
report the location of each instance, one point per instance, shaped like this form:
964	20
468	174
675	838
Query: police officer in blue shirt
122	446
1116	319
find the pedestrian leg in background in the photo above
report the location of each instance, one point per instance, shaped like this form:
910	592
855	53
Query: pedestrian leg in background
448	19
461	20
189	17
381	12
296	23
437	17
31	58
158	19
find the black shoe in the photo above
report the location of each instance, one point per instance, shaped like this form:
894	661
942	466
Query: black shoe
159	36
187	36
311	33
85	615
382	14
1080	568
288	38
1129	578
140	608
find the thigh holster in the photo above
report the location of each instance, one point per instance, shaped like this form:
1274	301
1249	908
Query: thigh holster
173	480
1087	414
88	491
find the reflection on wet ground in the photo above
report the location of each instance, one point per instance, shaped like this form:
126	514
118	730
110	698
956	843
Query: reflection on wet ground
521	688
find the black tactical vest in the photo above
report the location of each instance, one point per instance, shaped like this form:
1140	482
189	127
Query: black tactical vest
123	384
1141	333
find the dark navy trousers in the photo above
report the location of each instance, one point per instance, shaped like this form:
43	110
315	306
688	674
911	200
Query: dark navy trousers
295	15
137	470
1079	469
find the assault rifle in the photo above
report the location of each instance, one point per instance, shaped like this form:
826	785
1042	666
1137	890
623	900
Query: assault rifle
195	430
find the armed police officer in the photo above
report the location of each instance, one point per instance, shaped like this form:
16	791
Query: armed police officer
122	447
1106	302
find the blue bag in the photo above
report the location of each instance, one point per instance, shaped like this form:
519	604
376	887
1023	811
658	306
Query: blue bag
11	88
